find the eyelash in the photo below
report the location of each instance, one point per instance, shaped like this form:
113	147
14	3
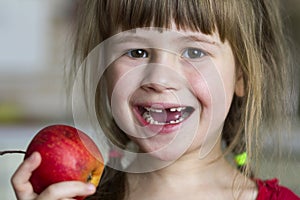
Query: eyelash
145	54
142	53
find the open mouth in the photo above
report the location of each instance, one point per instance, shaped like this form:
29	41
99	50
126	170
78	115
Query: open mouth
163	116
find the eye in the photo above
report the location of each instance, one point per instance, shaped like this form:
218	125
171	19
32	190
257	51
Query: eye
137	53
193	53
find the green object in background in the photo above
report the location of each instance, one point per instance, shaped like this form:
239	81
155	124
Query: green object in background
9	113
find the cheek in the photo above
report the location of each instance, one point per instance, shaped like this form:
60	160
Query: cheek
112	75
200	89
213	87
202	94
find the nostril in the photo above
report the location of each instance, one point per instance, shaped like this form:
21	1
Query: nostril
156	87
159	77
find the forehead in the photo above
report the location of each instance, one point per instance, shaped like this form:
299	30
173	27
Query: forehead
162	35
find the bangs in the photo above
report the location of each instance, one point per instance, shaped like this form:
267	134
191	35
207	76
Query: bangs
207	16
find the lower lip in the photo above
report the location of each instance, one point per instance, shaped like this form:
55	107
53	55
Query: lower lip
159	129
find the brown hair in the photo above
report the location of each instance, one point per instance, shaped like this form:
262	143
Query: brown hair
252	27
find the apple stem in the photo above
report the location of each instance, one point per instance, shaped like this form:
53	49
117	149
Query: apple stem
11	151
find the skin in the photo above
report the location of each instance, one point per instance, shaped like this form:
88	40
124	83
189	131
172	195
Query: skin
188	177
64	190
165	73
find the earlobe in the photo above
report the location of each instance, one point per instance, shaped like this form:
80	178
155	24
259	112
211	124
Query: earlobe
239	85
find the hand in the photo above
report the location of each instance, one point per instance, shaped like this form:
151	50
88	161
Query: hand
63	190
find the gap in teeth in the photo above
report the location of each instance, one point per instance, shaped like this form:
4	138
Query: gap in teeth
157	110
160	110
147	116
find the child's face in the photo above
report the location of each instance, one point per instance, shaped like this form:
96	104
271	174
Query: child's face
170	91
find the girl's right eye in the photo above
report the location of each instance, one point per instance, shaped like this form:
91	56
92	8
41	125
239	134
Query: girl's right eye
137	53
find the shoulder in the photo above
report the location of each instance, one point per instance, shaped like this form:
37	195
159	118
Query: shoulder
271	190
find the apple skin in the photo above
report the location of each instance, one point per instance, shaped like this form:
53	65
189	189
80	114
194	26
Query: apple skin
67	154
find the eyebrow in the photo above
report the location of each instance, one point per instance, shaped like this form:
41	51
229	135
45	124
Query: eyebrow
127	38
196	38
184	38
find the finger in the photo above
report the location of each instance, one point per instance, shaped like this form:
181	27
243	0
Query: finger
20	179
68	199
67	189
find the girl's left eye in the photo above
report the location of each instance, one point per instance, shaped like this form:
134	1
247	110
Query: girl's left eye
193	53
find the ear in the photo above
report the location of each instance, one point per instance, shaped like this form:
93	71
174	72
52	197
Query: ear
239	84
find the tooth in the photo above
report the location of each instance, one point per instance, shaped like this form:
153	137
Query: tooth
148	119
173	109
156	110
179	109
153	109
172	122
146	115
158	123
152	121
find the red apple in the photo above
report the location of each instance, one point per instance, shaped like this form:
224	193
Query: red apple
67	154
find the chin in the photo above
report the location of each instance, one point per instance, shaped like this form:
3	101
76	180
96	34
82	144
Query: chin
166	156
164	152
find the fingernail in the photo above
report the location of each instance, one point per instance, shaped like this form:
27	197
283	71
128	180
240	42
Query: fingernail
91	187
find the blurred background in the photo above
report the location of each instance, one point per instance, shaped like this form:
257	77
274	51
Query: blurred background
34	47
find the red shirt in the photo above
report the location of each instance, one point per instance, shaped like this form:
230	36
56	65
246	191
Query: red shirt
271	190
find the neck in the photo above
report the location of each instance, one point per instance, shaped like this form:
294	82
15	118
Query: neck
192	170
190	175
191	167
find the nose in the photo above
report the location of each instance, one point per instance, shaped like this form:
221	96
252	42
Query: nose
162	73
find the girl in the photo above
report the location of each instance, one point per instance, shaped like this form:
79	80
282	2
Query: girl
185	83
